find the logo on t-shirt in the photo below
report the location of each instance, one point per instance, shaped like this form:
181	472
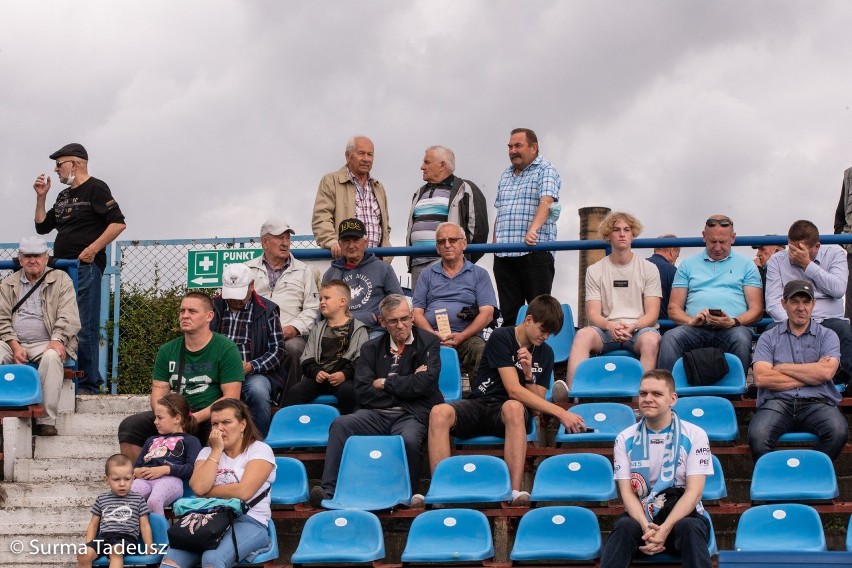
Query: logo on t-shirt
619	283
361	288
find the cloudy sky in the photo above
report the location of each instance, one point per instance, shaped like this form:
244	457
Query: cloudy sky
205	117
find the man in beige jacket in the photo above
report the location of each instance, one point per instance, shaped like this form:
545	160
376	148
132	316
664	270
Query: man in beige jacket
40	326
351	192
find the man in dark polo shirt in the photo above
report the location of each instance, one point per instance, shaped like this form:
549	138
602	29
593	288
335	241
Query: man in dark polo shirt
86	219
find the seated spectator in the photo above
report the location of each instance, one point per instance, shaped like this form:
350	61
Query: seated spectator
369	279
203	366
291	285
455	285
252	323
328	363
622	302
826	269
659	444
716	295
507	394
234	465
39	325
762	256
664	259
793	367
396	385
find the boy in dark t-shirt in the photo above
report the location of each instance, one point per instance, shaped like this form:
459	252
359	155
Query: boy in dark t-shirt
513	377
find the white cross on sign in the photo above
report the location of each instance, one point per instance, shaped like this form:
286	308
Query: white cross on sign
205	264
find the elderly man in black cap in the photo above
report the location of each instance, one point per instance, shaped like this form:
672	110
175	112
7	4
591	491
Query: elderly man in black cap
369	279
86	219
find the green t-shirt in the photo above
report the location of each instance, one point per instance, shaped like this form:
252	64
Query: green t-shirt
217	363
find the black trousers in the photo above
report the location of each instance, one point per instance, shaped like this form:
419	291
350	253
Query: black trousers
520	279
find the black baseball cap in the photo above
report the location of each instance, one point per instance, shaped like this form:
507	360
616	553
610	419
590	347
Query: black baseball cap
351	228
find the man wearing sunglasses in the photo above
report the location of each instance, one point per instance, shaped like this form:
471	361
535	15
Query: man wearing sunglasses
87	219
716	295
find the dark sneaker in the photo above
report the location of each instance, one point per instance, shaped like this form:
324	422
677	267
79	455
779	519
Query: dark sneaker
45	430
316	497
560	391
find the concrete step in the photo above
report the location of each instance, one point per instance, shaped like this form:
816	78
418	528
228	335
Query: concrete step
59	470
94	447
86	424
37	548
59	520
112	404
39	495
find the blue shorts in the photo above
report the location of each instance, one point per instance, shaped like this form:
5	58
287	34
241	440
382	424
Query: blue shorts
610	344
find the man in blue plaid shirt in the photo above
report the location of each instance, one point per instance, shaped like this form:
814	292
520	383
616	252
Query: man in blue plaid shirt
527	211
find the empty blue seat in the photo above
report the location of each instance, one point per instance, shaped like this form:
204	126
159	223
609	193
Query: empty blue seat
470	479
267	555
291	482
849	536
714	486
797	438
325	399
608	419
562	341
713	414
557	533
605	376
301	426
449	535
160	537
574	477
622	353
340	536
532	437
19	386
780	527
793	475
373	475
732	383
449	381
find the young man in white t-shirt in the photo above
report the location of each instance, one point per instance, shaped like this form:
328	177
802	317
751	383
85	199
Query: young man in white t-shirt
622	302
659	453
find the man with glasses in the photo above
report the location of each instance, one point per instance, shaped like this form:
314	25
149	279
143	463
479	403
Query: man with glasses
39	323
86	219
368	278
454	298
396	385
716	295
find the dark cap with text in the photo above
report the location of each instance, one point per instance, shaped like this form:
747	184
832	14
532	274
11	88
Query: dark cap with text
794	287
351	228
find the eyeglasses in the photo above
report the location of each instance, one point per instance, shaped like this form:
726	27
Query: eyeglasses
721	222
397	321
451	240
59	164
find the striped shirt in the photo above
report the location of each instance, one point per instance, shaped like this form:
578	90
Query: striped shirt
431	210
517	200
120	515
367	210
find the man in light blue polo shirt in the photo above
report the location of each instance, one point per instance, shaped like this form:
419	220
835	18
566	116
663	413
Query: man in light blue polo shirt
452	285
793	366
715	296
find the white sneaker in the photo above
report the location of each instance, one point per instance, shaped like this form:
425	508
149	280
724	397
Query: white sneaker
417	501
520	499
559	391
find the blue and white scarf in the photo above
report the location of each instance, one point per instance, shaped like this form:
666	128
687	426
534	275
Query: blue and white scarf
640	466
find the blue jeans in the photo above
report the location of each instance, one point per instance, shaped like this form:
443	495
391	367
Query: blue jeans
252	537
778	416
257	394
689	538
89	305
677	341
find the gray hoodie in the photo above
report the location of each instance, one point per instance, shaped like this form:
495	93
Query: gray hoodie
369	282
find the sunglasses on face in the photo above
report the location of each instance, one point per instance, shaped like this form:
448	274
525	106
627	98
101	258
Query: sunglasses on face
720	222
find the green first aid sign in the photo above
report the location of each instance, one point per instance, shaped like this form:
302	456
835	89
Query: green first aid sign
204	267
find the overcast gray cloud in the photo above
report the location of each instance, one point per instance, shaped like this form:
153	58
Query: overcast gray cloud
205	117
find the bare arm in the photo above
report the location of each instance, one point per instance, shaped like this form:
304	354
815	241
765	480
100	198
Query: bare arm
229	390
811	373
92	529
534	400
768	377
685	505
677	313
145	529
421	321
651	304
541	214
632	505
159	389
754	300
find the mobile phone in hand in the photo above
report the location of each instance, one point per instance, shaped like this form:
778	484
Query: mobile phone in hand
716	313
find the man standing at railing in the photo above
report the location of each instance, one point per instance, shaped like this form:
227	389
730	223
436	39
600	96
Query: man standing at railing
86	219
527	211
39	323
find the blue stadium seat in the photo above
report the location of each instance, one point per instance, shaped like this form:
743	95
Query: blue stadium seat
557	533
622	353
19	386
714	486
159	532
793	475
732	383
373	475
470	479
268	555
797	438
574	477
849	536
449	381
780	527
301	426
605	376
449	535
325	399
671	558
561	342
340	536
713	414
532	437
607	418
291	482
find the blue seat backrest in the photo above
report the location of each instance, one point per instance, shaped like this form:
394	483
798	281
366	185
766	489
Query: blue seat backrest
449	535
19	386
557	533
713	414
606	376
291	482
793	475
574	477
470	479
732	383
301	425
780	527
340	536
449	381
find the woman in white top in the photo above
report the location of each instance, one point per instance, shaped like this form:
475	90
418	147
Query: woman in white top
235	464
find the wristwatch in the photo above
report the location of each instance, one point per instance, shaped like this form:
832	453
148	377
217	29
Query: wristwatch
737	322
